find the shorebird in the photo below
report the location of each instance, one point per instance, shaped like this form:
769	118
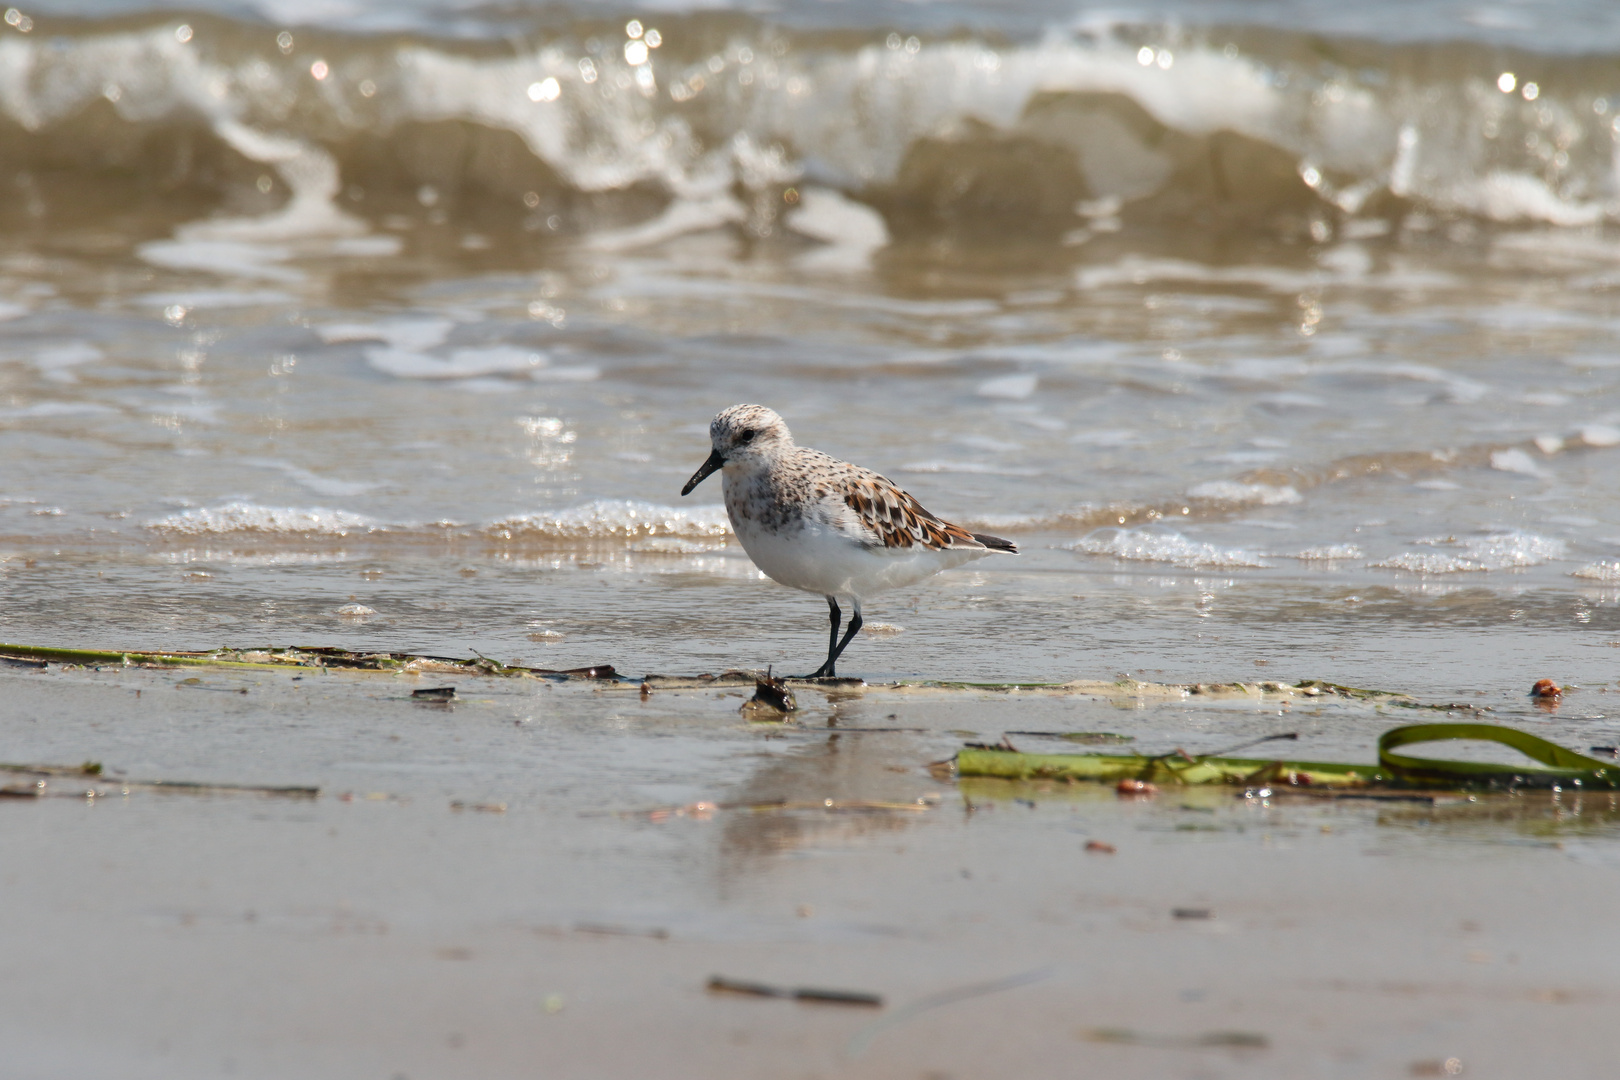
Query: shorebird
812	522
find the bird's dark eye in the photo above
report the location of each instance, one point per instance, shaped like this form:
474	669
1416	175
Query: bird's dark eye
746	437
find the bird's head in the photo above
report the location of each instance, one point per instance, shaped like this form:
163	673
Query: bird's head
740	435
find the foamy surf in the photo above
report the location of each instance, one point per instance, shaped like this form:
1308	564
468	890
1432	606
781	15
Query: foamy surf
1476	554
1161	545
604	519
252	519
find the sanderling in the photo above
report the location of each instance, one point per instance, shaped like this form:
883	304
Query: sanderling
815	523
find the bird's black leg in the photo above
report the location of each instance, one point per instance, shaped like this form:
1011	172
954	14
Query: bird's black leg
854	628
832	641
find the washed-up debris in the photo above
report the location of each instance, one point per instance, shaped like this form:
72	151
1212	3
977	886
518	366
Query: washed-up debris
720	985
1393	770
1101	847
481	807
771	696
1191	913
301	657
1118	689
102	785
1240	1040
1128	785
1319	688
608	678
434	693
1546	690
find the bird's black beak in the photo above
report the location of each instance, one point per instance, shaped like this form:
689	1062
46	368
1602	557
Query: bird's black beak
714	462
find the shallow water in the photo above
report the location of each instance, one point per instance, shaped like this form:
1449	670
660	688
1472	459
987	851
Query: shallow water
279	339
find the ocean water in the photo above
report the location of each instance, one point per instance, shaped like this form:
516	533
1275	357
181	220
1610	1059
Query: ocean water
1281	337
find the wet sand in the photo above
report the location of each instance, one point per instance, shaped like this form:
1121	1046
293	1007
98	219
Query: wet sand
488	888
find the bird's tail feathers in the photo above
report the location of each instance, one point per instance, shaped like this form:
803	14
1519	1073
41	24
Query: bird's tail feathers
996	543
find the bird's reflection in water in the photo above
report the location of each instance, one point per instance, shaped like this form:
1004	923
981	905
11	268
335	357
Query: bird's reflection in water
841	790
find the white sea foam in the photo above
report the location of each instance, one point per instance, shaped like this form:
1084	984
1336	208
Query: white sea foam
852	231
56	362
413	335
1458	388
1009	387
1329	552
1143	270
216	298
1514	460
607	518
461	364
320	485
681	217
566	373
1230	491
251	518
1505	196
367	247
1476	554
484	385
229	258
189	556
49	409
1606	570
1158	544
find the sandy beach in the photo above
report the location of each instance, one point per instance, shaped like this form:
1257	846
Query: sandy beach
543	877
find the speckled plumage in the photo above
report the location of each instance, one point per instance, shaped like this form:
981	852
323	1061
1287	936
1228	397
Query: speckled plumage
815	523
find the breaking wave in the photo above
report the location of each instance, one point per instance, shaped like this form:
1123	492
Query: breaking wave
851	137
